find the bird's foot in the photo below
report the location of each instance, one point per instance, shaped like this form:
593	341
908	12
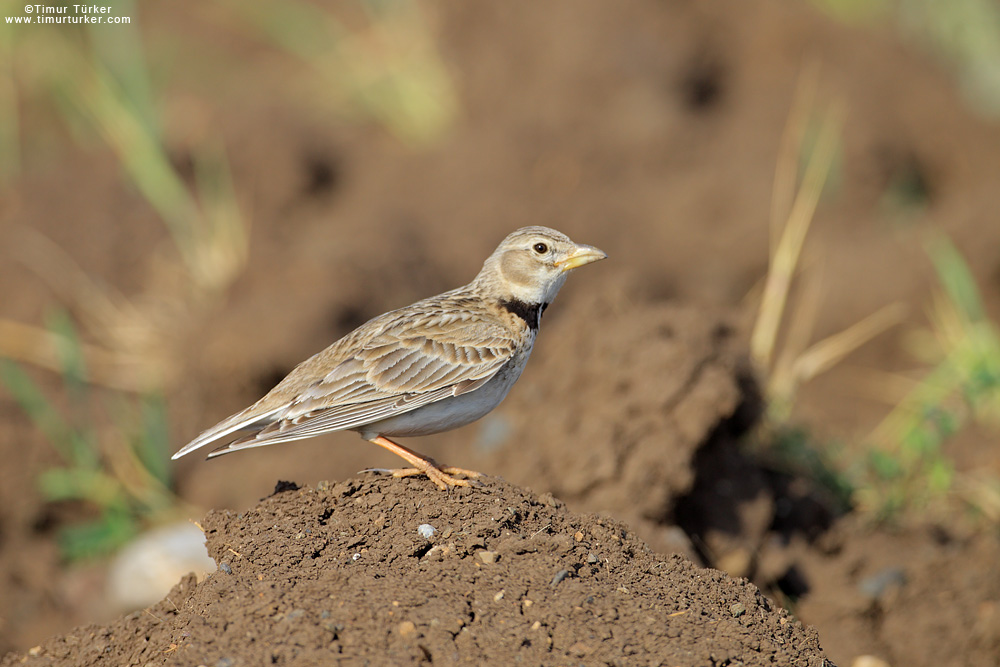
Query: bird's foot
424	465
441	476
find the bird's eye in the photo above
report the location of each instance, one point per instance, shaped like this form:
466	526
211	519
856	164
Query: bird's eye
540	248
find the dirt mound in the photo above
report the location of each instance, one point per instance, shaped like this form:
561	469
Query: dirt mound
393	571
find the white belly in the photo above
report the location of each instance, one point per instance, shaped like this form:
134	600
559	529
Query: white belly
451	412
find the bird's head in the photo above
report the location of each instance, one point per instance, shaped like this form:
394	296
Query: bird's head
531	264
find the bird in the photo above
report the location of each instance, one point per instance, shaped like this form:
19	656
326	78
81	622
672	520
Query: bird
440	363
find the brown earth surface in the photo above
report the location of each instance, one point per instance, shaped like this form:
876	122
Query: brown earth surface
648	129
340	573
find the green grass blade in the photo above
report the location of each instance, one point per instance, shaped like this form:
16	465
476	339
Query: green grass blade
39	409
99	537
70	351
956	278
153	444
94	486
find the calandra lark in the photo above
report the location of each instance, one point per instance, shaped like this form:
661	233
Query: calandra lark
436	365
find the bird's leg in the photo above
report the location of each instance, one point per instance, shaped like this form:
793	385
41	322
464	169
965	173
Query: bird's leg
424	465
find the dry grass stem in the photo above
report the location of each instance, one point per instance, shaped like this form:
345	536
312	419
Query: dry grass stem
830	351
789	247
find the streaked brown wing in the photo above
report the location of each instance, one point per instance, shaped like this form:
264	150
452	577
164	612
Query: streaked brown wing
408	364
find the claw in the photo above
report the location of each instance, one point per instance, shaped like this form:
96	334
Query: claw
442	476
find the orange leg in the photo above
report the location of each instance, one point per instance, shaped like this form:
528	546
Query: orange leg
424	465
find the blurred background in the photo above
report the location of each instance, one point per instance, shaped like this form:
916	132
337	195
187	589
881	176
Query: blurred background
193	202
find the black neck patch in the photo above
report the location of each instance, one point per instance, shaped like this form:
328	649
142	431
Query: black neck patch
531	313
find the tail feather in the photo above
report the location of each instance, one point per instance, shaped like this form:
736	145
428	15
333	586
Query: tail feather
241	421
251	440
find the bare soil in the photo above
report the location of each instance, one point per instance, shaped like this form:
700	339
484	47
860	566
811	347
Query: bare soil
340	573
648	129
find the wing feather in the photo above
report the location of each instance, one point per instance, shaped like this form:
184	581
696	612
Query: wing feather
329	420
415	356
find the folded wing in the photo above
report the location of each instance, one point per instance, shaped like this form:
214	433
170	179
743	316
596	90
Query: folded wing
407	364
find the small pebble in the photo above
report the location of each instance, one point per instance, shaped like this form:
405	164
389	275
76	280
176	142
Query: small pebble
591	558
560	575
438	552
426	531
224	566
355	556
406	629
487	556
498	597
737	609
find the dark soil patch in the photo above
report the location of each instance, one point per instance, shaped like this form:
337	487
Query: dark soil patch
340	573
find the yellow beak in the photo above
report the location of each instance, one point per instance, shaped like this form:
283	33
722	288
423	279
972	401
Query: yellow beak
583	254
